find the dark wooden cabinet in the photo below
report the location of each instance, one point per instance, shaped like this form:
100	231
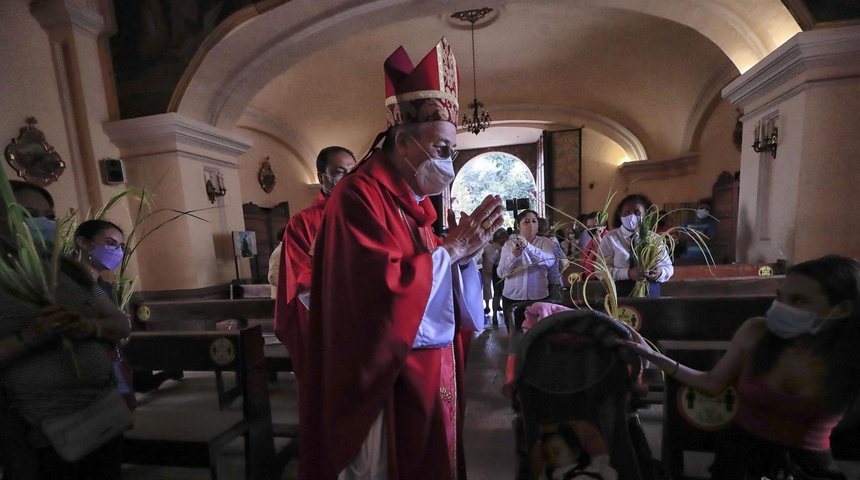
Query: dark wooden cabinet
265	223
724	202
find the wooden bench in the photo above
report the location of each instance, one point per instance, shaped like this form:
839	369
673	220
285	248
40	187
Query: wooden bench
176	437
185	315
250	290
698	281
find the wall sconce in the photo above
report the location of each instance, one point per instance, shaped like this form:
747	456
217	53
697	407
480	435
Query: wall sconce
766	137
214	191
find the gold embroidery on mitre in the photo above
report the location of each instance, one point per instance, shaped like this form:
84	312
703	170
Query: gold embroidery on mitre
447	66
419	95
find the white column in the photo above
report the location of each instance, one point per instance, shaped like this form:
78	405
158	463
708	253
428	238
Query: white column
803	203
172	156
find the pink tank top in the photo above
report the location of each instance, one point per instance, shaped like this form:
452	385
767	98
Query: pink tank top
799	422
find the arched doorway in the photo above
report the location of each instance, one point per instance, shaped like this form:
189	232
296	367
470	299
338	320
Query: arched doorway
492	173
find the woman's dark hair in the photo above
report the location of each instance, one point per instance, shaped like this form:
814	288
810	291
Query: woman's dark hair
839	279
521	216
18	186
838	276
635	197
499	234
90	228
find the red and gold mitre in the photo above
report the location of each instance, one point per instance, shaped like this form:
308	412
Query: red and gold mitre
425	93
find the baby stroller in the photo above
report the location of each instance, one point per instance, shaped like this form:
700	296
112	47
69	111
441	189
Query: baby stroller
573	388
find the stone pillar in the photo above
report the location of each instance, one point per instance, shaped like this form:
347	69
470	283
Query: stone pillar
803	203
172	156
76	30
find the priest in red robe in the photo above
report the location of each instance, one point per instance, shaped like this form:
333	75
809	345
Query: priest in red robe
389	299
294	274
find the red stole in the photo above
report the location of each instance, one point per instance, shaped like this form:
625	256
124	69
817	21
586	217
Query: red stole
370	286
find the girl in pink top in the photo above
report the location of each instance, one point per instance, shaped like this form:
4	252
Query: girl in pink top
796	372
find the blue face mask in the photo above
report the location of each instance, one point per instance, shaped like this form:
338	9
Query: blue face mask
110	257
41	228
702	213
786	321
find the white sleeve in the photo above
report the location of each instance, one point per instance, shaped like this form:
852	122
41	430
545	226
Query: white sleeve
469	296
437	325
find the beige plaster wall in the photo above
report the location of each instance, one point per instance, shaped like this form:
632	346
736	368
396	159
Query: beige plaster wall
187	252
29	88
829	180
717	153
813	181
600	159
292	181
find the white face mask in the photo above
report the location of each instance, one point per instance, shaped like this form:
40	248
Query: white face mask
630	222
434	174
702	213
333	181
786	321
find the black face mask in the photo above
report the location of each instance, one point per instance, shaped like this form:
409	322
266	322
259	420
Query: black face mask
592	230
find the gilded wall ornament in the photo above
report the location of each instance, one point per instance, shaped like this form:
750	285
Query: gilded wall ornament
267	176
32	157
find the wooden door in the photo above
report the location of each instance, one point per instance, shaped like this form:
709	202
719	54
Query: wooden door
265	223
724	202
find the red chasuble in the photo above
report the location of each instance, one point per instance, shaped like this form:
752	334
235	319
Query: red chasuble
294	277
372	274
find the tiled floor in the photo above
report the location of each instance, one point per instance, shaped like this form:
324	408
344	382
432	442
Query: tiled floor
489	440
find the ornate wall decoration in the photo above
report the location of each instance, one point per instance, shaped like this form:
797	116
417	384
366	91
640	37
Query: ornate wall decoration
32	157
267	176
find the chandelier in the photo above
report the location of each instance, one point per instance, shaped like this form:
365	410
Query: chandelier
480	118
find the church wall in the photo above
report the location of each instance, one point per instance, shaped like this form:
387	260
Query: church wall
801	204
188	252
829	180
29	88
600	158
716	153
291	175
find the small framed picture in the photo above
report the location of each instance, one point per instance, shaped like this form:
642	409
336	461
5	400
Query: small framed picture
245	244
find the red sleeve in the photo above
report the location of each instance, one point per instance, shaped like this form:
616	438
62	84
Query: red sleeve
298	240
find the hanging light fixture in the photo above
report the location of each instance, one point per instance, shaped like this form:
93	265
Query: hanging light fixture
480	119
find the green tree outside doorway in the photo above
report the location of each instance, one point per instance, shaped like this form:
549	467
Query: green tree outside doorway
493	173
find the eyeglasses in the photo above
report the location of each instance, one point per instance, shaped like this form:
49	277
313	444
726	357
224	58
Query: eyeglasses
445	151
111	244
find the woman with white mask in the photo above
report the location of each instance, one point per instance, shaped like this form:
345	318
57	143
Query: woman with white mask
615	248
796	373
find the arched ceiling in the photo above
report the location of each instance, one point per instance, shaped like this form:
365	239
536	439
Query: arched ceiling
639	72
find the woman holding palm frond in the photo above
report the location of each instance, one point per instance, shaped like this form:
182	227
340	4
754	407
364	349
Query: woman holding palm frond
622	251
52	354
525	261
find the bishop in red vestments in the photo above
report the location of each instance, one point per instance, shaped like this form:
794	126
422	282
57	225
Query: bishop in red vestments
294	274
389	298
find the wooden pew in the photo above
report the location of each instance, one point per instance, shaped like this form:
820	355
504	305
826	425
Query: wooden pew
171	437
188	315
694	318
200	315
250	290
699	281
692	287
